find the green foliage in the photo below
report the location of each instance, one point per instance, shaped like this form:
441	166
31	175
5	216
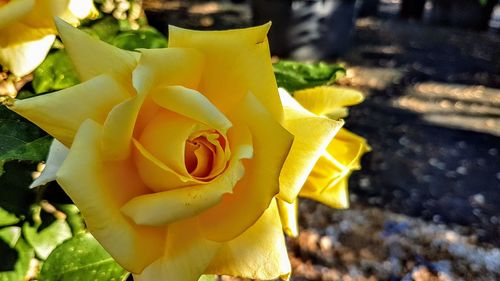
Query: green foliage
7	218
136	39
73	218
55	73
15	195
81	258
20	139
46	239
10	235
295	76
105	29
15	255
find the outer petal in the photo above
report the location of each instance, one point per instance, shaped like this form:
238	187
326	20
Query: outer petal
327	100
168	67
44	11
81	8
328	181
307	147
22	57
347	148
15	10
289	216
237	61
100	189
92	57
254	192
57	154
335	195
259	253
187	254
61	113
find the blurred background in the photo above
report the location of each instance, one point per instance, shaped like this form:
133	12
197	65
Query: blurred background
426	205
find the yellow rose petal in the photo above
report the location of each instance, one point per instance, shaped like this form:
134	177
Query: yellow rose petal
252	194
237	61
92	57
57	153
308	145
168	67
81	8
186	256
289	216
336	195
347	148
61	113
324	100
99	189
192	104
44	11
259	253
15	10
22	56
328	170
165	137
119	128
328	182
155	174
165	207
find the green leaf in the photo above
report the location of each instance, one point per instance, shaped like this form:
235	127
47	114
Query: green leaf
10	235
7	218
74	219
15	261
55	73
15	195
295	76
81	258
45	240
135	39
20	139
105	28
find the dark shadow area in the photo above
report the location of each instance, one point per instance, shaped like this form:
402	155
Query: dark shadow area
440	174
15	195
8	257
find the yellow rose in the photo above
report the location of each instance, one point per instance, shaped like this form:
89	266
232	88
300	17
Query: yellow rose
327	181
174	154
27	30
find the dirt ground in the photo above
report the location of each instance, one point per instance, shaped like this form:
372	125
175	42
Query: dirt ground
426	205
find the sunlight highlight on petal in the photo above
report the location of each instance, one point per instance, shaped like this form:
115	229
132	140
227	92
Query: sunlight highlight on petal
259	253
233	58
61	113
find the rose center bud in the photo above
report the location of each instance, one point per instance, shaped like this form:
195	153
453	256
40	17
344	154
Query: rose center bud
204	155
174	151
